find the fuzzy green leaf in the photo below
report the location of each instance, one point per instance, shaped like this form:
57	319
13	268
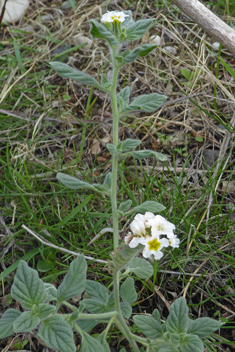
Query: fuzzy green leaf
203	327
94	306
126	309
149	326
44	310
122	256
74	281
99	30
72	182
192	343
178	319
141	267
128	20
142	154
27	288
156	315
96	290
6	322
108	180
105	81
123	207
142	50
51	292
26	322
123	98
146	102
149	205
56	333
137	30
69	72
127	291
89	344
130	144
111	148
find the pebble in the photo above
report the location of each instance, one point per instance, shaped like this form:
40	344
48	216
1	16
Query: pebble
156	39
66	5
170	49
47	18
216	45
81	39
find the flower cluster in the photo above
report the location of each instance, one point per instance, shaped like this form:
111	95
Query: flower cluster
149	230
112	16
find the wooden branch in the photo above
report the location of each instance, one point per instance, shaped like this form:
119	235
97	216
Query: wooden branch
208	21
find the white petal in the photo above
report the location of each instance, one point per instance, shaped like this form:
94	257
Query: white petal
134	242
137	227
112	16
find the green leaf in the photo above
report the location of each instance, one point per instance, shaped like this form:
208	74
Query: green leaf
137	30
130	144
112	149
87	325
72	182
142	50
51	292
177	321
192	343
125	206
6	322
56	333
146	103
123	98
102	339
74	281
26	322
156	315
97	291
203	327
105	81
122	256
68	72
99	30
149	326
44	310
186	73
141	154
128	20
126	309
108	180
89	344
149	205
94	306
127	291
141	267
27	288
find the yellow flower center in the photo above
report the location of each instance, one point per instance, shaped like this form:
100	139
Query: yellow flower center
154	245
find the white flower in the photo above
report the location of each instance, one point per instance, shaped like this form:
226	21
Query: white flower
160	226
128	238
112	16
144	217
138	228
174	241
153	246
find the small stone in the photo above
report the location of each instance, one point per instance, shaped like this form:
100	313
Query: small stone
170	49
66	5
60	50
81	39
28	29
156	39
47	18
216	45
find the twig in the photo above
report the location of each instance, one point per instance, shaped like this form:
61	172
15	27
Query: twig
60	248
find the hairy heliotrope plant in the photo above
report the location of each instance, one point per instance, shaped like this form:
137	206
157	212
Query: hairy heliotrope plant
150	234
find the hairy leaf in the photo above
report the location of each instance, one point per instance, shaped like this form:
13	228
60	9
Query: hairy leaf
26	322
177	321
149	205
203	327
137	30
27	288
74	281
6	322
127	291
141	267
56	333
148	325
97	291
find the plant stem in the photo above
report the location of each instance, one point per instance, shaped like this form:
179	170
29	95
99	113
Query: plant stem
115	143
